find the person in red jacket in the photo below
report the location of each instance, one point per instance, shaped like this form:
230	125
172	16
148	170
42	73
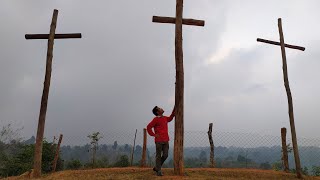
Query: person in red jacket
160	126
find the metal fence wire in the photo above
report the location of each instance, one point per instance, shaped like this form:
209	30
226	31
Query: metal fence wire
231	150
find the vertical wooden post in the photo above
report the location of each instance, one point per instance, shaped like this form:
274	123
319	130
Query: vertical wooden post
284	149
290	104
144	149
57	154
134	144
44	99
179	93
212	164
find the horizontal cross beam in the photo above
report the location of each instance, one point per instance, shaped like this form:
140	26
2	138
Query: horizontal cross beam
278	44
56	36
194	22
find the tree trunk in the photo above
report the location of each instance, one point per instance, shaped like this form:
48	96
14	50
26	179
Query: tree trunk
179	93
144	149
284	150
57	154
290	104
44	99
212	164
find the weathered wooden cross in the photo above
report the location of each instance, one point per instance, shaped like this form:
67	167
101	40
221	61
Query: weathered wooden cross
45	93
179	89
287	87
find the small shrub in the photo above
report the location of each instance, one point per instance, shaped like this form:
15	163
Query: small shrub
74	164
123	161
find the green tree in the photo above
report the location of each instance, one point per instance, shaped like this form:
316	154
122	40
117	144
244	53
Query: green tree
8	134
94	137
203	158
115	145
241	159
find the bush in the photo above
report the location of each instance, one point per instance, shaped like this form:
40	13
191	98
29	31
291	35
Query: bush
22	161
123	161
277	166
315	170
74	164
265	165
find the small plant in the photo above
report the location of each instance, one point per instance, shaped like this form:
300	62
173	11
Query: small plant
123	161
74	164
315	170
94	137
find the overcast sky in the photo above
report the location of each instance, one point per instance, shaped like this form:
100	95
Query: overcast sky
124	65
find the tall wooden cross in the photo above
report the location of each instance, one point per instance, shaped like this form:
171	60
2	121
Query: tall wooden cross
179	88
44	100
287	87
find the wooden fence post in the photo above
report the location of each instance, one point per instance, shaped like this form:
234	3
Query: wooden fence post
212	164
144	149
57	154
284	150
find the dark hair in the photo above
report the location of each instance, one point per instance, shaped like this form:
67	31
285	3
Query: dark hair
155	110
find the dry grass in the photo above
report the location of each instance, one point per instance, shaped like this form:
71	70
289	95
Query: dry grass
147	173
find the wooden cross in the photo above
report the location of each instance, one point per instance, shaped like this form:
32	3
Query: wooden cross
287	87
44	100
179	88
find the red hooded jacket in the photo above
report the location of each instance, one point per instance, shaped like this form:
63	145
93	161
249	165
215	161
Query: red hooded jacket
160	125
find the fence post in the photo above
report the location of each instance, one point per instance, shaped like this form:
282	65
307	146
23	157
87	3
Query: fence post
57	154
284	150
144	149
134	144
212	164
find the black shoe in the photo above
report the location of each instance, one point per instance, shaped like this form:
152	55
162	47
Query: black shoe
154	169
159	173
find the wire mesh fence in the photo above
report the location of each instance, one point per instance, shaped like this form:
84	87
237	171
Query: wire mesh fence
231	150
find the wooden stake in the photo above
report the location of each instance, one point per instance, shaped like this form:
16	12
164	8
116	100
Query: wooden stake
212	164
57	154
284	149
134	144
144	149
290	104
45	93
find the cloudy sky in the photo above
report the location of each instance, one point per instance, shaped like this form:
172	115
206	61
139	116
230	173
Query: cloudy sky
124	65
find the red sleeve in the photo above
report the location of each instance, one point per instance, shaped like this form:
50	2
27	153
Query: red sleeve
150	126
172	115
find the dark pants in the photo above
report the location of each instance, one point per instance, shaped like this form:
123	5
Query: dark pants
162	148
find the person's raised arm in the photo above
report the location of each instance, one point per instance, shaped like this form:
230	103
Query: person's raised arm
172	114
